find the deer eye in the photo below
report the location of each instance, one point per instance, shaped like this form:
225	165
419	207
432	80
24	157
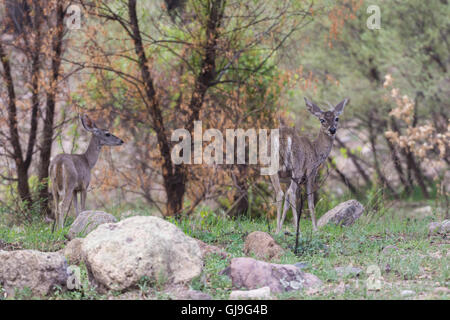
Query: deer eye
108	134
322	121
337	119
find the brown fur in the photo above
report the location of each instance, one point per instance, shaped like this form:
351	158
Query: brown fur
300	160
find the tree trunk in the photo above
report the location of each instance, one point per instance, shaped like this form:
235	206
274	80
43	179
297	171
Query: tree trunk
174	176
21	166
47	133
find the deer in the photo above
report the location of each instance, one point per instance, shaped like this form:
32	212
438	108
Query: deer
70	174
300	160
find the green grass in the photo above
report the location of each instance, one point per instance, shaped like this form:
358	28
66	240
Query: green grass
420	263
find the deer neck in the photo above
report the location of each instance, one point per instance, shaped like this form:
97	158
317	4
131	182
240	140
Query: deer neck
93	151
323	145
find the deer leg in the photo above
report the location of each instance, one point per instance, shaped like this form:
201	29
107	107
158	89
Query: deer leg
290	202
279	198
310	193
64	208
83	200
75	198
56	203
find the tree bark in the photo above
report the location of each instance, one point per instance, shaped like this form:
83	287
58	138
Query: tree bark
47	133
17	154
174	176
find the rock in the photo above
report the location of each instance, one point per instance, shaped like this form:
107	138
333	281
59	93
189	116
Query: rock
118	255
198	295
348	271
407	293
344	214
207	249
262	245
441	290
72	251
88	221
261	293
445	227
302	265
38	271
439	227
249	273
433	227
389	248
422	212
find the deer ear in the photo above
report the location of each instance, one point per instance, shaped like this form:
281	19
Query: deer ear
340	106
87	123
313	108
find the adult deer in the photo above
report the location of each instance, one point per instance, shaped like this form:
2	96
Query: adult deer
71	173
301	158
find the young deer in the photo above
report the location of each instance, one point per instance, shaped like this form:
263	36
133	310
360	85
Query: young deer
300	160
71	173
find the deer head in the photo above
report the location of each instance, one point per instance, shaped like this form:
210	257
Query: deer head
328	119
105	138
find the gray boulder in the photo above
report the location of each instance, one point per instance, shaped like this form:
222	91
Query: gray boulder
251	274
439	227
88	221
344	214
118	255
38	271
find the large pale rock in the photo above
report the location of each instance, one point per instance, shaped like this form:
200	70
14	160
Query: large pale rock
262	245
343	214
118	255
249	273
261	293
38	271
88	221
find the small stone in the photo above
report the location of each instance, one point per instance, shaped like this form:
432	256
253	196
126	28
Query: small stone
262	245
261	293
390	248
198	295
302	265
408	293
348	271
88	221
344	214
433	227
